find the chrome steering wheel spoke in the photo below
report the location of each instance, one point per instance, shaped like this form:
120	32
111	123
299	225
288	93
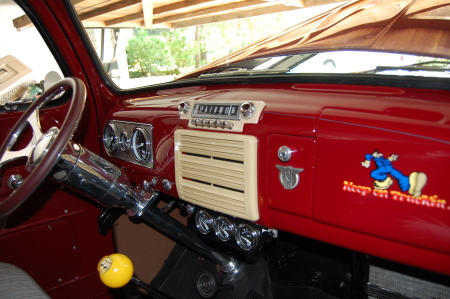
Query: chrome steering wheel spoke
10	155
44	149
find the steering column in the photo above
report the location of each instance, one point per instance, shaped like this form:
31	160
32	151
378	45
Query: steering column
101	180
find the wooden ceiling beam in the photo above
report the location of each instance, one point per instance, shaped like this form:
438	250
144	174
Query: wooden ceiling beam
24	21
172	8
299	3
179	5
147	10
209	11
231	16
100	24
108	8
127	18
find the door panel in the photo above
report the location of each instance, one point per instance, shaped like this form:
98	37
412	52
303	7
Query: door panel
53	235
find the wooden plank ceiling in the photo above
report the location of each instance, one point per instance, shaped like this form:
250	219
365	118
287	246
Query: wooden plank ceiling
174	13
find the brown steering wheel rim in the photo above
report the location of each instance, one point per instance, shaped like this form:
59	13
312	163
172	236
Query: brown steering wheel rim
37	175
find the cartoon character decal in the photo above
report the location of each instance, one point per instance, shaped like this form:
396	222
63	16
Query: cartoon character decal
385	173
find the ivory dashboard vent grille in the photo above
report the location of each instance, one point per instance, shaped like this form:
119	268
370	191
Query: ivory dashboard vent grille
218	171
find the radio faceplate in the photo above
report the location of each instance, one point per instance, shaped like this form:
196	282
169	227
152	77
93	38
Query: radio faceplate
224	116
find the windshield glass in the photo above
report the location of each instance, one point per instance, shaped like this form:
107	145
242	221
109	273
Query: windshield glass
135	57
345	62
138	46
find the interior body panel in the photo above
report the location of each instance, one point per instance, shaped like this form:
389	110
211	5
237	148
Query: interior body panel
308	186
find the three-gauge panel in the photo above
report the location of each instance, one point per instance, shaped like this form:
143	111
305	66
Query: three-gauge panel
132	142
233	231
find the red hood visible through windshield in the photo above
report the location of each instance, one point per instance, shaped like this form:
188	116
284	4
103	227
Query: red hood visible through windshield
407	26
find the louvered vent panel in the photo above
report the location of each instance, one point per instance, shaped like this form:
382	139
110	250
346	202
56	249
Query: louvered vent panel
217	171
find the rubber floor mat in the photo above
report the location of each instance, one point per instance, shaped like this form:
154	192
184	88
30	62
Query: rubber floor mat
178	276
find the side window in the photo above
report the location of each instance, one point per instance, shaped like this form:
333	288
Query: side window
25	59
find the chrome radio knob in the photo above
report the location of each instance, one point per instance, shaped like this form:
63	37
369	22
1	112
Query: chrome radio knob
212	123
247	110
228	125
183	108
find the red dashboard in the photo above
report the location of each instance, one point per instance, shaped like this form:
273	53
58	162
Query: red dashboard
372	160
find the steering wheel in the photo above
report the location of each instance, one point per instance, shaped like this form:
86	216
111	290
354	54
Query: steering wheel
44	148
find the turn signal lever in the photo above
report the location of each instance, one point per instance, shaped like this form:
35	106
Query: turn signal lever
101	180
116	270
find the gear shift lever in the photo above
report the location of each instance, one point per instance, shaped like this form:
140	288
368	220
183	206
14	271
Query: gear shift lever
116	270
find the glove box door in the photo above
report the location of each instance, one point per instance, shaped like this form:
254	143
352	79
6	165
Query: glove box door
384	176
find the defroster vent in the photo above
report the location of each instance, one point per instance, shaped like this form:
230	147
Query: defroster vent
218	171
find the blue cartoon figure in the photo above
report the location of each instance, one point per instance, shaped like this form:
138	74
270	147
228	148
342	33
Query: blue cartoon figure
385	173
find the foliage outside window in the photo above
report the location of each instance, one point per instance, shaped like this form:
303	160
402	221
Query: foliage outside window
151	56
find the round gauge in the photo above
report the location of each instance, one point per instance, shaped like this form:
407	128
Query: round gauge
223	228
141	145
246	237
110	139
204	222
124	141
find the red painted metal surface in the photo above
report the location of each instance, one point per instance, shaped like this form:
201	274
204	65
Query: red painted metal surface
297	200
336	126
26	240
346	122
350	199
53	237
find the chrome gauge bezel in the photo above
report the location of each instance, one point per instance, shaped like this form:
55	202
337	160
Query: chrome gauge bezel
198	223
123	132
242	244
147	145
219	233
124	141
110	133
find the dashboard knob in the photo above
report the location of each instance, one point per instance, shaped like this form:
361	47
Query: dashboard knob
228	125
167	185
284	153
184	108
247	109
212	123
115	270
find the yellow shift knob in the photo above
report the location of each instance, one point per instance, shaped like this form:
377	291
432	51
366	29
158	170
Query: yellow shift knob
115	270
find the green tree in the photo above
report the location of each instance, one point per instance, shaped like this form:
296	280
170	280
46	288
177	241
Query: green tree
177	51
220	39
159	52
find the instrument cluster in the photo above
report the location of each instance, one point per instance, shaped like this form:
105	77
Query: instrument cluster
132	142
232	231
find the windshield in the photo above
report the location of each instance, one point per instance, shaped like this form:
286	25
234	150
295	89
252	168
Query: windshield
240	37
135	57
345	62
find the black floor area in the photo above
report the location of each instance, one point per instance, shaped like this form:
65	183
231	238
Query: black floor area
178	278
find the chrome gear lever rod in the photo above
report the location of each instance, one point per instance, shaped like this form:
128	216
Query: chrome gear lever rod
101	180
